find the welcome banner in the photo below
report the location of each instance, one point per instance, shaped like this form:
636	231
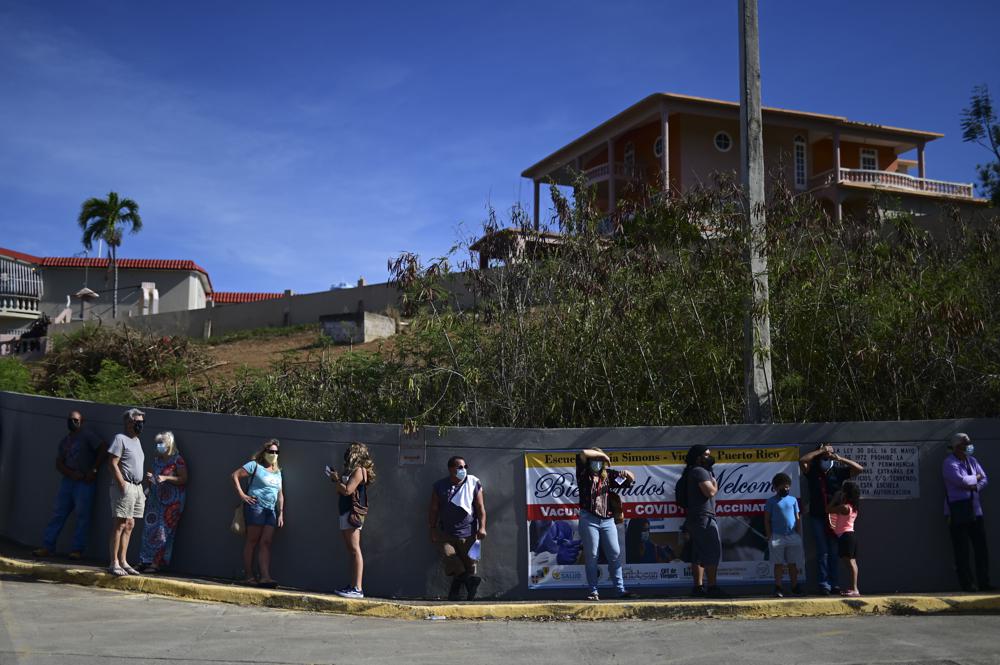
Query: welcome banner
651	539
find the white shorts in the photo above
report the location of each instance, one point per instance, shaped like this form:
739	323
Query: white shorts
130	503
346	526
786	550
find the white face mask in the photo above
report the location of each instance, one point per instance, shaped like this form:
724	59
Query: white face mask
162	448
644	536
595	465
461	474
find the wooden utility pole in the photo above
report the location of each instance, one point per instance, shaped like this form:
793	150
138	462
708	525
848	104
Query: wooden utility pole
757	325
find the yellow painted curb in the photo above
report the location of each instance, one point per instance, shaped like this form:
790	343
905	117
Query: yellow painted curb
540	611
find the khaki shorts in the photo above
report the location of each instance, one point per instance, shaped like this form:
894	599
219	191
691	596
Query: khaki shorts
130	503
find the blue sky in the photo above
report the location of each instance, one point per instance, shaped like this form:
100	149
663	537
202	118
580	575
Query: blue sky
300	144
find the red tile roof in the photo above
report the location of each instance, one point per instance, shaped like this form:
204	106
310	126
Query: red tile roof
134	264
28	258
235	297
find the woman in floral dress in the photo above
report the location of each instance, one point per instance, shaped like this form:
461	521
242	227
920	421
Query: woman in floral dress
168	481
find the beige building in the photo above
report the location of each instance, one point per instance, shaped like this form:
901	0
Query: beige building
677	142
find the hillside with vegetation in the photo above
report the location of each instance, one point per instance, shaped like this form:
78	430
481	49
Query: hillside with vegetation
871	319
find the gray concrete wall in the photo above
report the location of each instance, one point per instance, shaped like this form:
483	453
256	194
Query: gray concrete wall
904	544
288	310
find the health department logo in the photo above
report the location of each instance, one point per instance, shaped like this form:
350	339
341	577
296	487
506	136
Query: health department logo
540	575
763	569
566	575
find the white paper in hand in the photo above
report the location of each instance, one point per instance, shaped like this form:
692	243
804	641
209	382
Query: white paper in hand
475	550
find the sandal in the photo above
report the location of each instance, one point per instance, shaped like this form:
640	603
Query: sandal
117	571
129	570
250	581
268	584
150	569
850	593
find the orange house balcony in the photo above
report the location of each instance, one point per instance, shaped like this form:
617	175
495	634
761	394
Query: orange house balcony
891	180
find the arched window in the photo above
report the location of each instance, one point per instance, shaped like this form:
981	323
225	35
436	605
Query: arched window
658	146
799	155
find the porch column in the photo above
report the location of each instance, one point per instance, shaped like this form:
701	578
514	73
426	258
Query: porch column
836	156
921	164
536	183
665	157
611	176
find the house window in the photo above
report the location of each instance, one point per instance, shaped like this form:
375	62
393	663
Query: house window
658	146
723	142
800	162
629	159
869	159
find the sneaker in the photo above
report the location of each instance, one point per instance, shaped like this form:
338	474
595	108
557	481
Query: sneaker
594	595
779	592
824	591
455	590
835	591
350	592
628	595
41	553
698	592
716	592
75	555
472	586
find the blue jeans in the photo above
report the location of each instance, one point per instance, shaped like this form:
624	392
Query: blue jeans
601	532
73	495
826	553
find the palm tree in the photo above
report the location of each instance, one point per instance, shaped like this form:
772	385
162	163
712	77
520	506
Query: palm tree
105	219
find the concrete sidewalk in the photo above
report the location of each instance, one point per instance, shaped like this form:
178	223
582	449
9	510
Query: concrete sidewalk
751	608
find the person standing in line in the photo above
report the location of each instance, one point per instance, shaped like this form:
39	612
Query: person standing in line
352	486
783	529
843	510
964	481
826	471
168	481
700	522
80	455
128	502
263	512
457	518
596	479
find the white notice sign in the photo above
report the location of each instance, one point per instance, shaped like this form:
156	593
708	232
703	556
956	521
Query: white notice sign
892	471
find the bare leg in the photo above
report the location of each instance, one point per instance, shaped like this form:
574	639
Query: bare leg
698	573
352	540
126	535
853	565
264	553
114	544
793	574
710	573
253	537
779	573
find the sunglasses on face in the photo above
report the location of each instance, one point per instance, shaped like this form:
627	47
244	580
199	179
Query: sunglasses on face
276	452
74	420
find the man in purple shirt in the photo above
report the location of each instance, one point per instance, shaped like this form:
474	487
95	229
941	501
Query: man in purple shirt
964	479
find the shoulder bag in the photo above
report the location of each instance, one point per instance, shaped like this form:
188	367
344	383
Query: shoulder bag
239	526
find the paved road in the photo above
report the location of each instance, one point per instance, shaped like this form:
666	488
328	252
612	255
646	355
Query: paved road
50	624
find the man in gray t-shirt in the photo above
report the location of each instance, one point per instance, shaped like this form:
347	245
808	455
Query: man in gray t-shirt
127	499
706	545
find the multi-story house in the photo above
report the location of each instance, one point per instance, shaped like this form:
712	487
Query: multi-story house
677	142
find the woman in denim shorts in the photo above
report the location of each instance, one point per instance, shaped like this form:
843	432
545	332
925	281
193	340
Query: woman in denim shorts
263	510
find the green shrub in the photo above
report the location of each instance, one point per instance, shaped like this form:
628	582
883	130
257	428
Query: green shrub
14	376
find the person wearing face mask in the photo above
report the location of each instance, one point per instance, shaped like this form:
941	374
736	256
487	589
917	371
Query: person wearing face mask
595	480
126	460
457	520
352	504
783	530
167	483
964	480
639	545
79	456
263	510
700	522
826	471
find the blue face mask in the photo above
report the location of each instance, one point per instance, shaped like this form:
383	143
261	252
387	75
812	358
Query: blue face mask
825	465
595	465
162	448
970	449
461	474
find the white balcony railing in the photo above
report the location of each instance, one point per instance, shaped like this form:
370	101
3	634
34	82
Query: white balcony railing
891	180
19	306
622	172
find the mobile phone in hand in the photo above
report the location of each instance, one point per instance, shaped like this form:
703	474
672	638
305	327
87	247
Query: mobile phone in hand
620	480
327	470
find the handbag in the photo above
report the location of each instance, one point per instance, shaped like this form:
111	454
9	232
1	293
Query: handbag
615	507
239	524
359	510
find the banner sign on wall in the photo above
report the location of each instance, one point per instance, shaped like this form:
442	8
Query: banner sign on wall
555	559
891	471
